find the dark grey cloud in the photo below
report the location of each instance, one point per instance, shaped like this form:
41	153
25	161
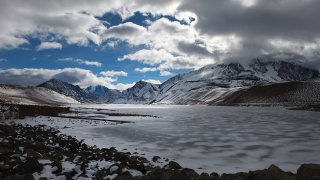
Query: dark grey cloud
293	21
193	49
297	19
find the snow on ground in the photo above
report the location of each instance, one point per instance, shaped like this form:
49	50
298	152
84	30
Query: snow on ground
210	139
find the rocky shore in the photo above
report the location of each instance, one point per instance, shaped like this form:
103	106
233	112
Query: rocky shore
40	152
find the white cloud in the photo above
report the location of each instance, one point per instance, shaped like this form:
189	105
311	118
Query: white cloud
10	42
153	69
153	81
146	69
49	45
150	57
113	73
171	45
76	23
165	73
76	76
123	86
82	61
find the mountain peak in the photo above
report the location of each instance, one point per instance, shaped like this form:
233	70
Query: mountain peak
67	89
54	80
97	90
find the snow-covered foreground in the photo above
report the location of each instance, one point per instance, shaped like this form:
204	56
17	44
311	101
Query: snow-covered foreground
220	139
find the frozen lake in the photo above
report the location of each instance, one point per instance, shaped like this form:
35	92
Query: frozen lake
220	139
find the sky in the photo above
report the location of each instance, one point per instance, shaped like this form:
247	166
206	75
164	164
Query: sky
117	43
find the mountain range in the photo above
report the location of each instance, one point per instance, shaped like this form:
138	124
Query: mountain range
270	79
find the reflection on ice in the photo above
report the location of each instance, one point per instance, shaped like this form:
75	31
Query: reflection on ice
221	139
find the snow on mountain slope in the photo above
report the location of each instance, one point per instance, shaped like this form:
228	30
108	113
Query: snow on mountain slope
205	84
69	90
141	93
97	90
287	93
212	83
32	95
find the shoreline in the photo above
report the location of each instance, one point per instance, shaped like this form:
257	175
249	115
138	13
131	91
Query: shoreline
41	151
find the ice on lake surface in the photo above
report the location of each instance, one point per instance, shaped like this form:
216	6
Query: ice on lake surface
220	139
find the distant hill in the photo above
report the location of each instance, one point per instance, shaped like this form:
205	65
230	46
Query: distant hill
32	95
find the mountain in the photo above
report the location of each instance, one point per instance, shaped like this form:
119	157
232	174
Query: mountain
214	82
222	84
73	91
104	94
141	93
97	90
288	94
32	95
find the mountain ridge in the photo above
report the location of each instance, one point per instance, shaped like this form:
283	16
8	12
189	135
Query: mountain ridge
211	83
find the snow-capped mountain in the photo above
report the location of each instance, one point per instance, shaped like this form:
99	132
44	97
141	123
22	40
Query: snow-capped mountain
214	82
141	93
211	84
70	90
104	94
97	90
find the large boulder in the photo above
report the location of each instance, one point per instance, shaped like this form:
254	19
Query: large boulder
272	173
309	172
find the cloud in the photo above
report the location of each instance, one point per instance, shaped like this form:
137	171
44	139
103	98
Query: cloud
146	69
77	76
152	81
166	73
258	23
81	61
216	30
10	42
49	45
74	23
172	45
123	86
113	73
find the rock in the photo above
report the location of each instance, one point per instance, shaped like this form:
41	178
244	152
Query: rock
204	176
154	174
33	154
15	177
58	165
190	173
124	176
101	174
4	168
113	168
69	175
155	158
4	150
237	176
28	177
174	175
40	146
214	176
30	166
174	165
272	173
309	172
